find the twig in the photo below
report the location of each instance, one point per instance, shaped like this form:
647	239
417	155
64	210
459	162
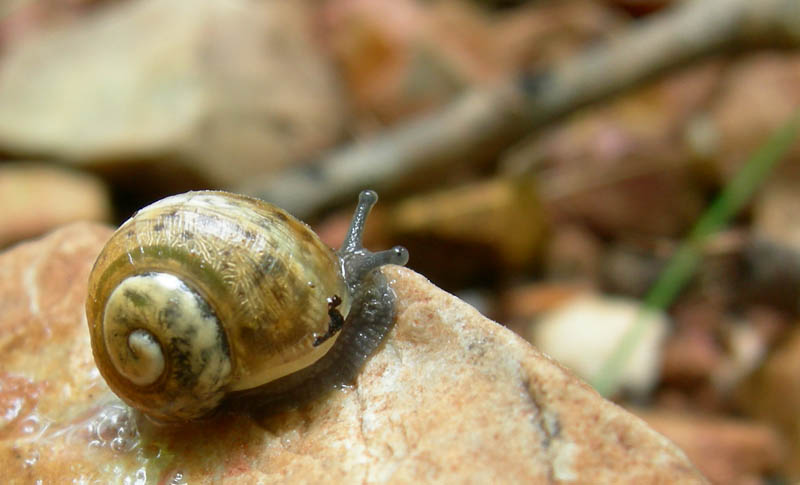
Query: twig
482	122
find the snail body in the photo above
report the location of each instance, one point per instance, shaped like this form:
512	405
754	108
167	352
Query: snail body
210	297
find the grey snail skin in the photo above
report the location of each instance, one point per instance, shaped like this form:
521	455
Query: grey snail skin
210	299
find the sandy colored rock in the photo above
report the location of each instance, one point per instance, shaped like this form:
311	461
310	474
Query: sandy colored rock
531	300
628	269
38	198
759	95
585	331
403	57
573	253
621	167
502	216
772	394
694	350
450	398
730	451
222	90
775	213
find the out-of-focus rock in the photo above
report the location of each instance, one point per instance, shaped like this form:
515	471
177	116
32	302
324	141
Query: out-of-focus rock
655	196
451	397
773	255
640	7
771	274
694	350
772	394
746	348
464	230
402	57
691	355
36	198
759	95
518	305
728	451
630	270
624	167
585	332
775	213
573	253
212	92
633	265
535	299
19	18
710	352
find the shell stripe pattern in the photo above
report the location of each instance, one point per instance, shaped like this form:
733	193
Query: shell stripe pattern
263	274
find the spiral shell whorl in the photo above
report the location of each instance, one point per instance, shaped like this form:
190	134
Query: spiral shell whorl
264	276
165	341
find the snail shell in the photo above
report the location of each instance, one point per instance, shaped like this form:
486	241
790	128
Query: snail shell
206	295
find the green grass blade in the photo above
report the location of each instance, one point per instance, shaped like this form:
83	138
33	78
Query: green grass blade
683	263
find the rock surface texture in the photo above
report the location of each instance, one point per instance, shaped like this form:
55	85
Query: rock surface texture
451	397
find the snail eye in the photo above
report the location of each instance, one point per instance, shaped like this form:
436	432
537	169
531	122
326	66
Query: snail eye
204	296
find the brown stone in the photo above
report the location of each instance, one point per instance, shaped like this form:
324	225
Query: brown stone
759	95
451	397
402	57
573	253
775	213
38	198
621	167
691	354
502	215
773	395
523	303
730	451
213	92
773	255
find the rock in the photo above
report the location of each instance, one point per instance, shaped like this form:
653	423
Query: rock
694	350
710	352
731	451
621	167
775	213
691	355
746	348
218	90
628	269
771	274
772	394
500	218
640	7
451	397
584	332
774	255
573	253
534	299
759	95
38	198
402	57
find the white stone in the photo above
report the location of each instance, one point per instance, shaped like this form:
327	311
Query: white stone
585	332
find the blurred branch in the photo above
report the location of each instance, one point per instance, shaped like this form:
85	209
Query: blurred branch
482	122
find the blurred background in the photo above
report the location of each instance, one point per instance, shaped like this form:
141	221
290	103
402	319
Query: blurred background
616	181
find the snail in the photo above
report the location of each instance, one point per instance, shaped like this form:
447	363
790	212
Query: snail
207	299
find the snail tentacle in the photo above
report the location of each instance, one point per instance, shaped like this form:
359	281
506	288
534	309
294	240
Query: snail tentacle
355	235
371	317
209	297
358	261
